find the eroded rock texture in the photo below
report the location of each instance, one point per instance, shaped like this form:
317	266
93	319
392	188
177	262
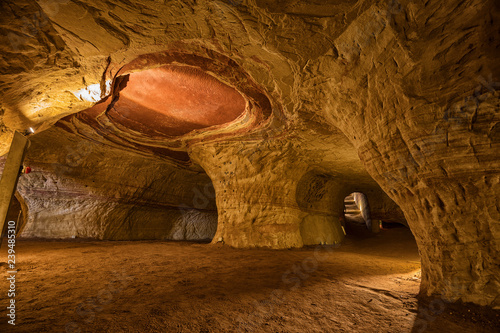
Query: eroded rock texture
285	107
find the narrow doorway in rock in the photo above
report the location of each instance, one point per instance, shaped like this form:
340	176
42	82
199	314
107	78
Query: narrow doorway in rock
198	218
15	213
357	216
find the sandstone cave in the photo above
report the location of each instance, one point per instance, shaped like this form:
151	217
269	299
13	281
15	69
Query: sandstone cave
240	165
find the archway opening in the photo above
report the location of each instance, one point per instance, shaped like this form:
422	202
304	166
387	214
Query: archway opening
357	215
362	217
198	220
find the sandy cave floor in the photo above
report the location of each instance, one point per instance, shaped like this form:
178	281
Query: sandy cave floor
369	284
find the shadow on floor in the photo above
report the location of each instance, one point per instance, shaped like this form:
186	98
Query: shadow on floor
438	314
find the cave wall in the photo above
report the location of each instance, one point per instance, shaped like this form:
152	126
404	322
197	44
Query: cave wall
283	204
81	189
393	96
427	101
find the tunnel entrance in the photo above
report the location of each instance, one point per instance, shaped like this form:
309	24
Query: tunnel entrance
362	217
198	218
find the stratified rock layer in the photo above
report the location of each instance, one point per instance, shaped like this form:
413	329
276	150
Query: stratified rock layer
84	190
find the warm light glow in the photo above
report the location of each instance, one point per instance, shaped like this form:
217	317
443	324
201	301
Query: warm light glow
172	100
93	93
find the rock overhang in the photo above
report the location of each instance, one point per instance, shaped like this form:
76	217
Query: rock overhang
165	101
